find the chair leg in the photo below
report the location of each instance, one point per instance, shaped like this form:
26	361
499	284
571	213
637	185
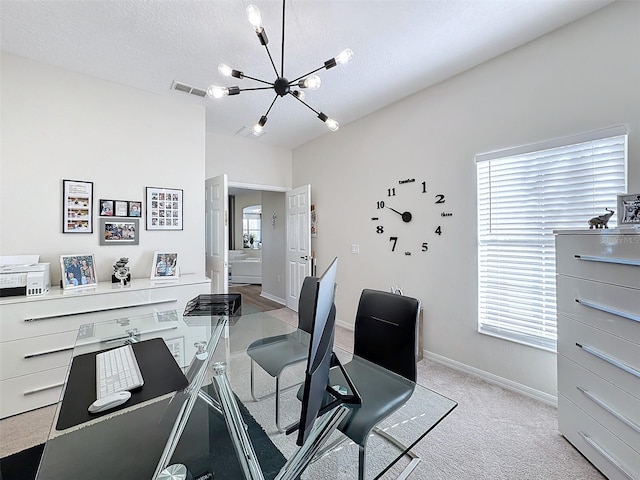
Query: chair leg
362	466
253	395
415	460
278	404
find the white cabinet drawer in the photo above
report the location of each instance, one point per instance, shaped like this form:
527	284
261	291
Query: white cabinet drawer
30	355
29	392
23	320
614	408
609	258
613	358
613	457
611	308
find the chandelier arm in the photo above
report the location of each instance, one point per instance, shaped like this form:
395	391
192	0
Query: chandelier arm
271	58
305	75
258	80
305	104
255	88
282	55
271	106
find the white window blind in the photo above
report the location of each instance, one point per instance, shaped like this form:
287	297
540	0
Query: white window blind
524	194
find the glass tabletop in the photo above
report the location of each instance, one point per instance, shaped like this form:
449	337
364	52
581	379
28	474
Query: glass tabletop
162	427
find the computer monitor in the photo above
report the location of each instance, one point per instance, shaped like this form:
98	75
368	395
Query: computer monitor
320	351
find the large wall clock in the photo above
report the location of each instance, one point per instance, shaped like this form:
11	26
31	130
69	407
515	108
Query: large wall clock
410	216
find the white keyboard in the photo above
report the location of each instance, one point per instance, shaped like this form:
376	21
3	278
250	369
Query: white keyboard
117	370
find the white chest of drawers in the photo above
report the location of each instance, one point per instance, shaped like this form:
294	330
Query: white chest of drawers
37	334
598	297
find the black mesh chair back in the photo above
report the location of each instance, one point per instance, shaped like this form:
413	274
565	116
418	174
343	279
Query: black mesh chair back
385	323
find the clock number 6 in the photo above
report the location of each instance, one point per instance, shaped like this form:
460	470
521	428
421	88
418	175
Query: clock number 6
394	240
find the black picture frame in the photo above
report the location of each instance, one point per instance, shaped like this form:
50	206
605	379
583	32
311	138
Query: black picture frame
135	209
106	207
120	208
164	208
77	206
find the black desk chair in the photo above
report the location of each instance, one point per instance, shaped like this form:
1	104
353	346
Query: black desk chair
274	354
385	336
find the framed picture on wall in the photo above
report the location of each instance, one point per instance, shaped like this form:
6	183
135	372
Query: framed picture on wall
121	208
78	271
77	206
119	231
164	209
135	209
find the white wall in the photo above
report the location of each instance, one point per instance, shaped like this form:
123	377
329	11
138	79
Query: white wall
577	79
60	125
274	246
247	161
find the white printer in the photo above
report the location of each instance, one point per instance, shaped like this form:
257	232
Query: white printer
23	275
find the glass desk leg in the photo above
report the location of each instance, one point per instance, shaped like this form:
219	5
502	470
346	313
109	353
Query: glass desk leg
235	424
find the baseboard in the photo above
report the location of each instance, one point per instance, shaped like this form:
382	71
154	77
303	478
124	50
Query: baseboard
273	298
495	379
343	324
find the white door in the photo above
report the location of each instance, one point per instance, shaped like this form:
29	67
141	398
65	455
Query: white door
298	242
217	233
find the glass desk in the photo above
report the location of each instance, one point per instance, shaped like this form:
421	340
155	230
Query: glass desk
196	409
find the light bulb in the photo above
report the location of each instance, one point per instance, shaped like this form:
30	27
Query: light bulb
312	82
299	94
345	56
225	70
257	128
332	124
255	19
215	91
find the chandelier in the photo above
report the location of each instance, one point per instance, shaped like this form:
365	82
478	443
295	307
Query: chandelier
281	85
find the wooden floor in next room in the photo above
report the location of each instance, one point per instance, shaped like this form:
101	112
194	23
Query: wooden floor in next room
251	297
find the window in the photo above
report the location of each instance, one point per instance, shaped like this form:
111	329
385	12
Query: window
524	194
252	226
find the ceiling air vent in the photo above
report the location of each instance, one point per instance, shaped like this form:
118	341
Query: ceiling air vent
247	132
181	87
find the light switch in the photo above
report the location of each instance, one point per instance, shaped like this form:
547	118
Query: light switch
355	249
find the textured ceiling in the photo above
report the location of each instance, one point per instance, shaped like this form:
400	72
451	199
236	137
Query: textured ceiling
400	47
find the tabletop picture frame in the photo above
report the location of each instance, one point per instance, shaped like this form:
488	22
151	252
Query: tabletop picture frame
629	209
78	271
164	208
77	206
119	231
165	266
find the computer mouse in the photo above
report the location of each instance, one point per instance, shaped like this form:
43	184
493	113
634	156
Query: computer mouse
110	401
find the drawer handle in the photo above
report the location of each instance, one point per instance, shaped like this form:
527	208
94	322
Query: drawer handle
605	308
143	304
611	360
48	352
620	261
42	389
605	454
609	409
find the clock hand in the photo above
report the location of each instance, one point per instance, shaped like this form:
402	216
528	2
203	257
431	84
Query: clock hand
406	216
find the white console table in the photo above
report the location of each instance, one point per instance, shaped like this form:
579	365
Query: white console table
37	334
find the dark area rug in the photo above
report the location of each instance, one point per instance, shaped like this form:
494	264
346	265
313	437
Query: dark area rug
221	461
